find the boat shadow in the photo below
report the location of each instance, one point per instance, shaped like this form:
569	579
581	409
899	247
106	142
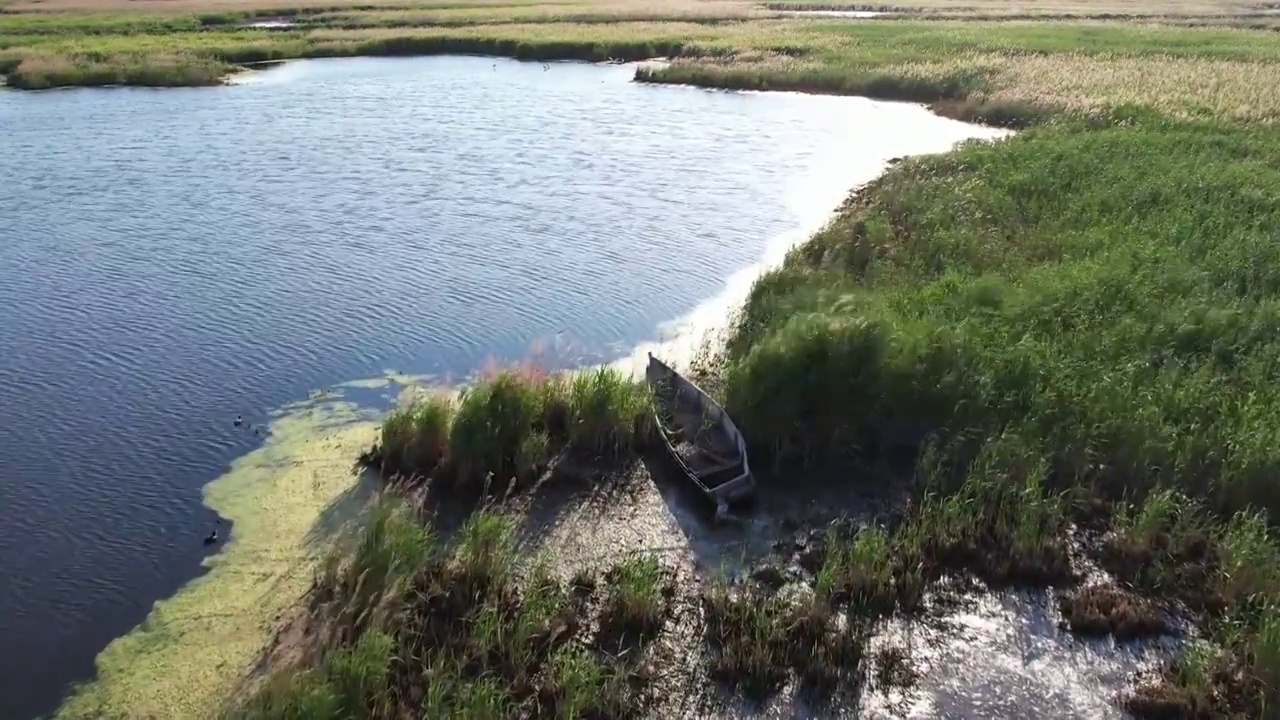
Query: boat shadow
593	514
789	510
721	547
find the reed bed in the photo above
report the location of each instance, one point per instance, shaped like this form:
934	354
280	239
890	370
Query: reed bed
39	72
420	626
472	626
510	425
1075	323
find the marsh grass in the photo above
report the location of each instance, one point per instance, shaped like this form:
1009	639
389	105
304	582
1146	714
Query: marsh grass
365	588
1011	74
1051	312
760	641
1100	609
608	414
860	572
470	628
494	418
507	428
952	299
1090	308
415	440
1002	524
1171	548
39	72
636	602
1163	546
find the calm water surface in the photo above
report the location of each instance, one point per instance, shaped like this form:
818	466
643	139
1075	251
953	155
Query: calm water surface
170	259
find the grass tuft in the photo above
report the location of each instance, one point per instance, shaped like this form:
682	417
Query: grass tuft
1097	610
415	440
759	641
477	631
508	428
607	415
494	418
636	603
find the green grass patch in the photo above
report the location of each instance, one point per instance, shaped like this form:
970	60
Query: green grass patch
1079	312
465	627
507	428
609	413
1105	294
994	72
758	642
635	605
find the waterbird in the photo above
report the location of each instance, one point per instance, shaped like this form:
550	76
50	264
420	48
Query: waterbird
239	421
212	538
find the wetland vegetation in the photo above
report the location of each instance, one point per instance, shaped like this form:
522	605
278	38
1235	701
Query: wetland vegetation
1062	345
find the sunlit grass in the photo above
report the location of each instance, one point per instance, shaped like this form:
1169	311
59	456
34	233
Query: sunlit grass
511	424
635	604
1005	73
1084	311
1062	282
478	631
608	413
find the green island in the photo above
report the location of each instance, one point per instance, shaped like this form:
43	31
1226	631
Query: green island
1061	348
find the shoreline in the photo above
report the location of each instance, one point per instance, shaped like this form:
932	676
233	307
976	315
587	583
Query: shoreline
652	69
118	662
1000	81
286	502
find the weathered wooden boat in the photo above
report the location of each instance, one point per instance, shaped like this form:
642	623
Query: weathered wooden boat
700	436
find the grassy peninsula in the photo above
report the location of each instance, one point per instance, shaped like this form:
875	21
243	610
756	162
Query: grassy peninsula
1063	347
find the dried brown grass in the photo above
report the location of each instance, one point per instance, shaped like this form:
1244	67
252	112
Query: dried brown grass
1088	85
1073	83
1171	9
623	7
589	12
1066	8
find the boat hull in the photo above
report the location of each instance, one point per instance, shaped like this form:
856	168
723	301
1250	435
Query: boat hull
700	437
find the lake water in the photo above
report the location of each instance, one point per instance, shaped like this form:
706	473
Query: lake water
170	259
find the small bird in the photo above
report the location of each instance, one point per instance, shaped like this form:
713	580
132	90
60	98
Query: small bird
212	538
239	421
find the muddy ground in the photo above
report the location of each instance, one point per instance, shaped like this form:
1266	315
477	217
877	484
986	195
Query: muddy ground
972	654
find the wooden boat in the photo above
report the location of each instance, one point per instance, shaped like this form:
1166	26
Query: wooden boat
700	436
